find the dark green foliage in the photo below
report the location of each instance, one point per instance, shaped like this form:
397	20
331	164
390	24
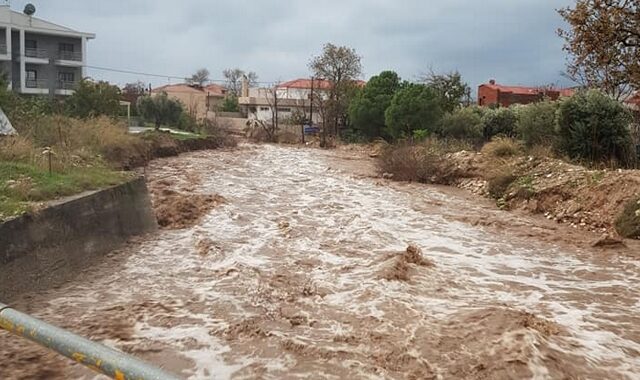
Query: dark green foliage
536	123
366	110
463	124
453	91
594	127
93	99
230	104
413	107
628	222
160	109
499	122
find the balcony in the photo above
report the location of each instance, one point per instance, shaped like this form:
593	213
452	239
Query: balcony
64	87
36	53
37	83
36	86
70	56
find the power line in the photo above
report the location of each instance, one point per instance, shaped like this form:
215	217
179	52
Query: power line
124	71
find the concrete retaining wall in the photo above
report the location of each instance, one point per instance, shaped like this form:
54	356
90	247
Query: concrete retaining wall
48	248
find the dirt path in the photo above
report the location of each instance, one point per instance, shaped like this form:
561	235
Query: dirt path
303	272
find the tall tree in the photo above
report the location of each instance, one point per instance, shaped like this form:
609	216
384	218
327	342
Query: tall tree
131	92
452	89
160	109
200	77
415	107
603	43
233	78
366	110
341	66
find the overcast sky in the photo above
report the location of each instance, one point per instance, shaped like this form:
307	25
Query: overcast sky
513	41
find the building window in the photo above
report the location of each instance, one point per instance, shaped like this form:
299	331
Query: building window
284	109
66	80
65	47
31	48
264	108
32	78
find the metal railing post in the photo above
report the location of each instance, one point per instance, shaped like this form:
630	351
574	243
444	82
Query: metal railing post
95	356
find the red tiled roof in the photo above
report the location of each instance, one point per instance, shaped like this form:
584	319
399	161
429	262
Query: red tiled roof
305	83
522	90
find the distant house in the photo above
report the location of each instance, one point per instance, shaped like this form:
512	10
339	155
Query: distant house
633	102
198	101
496	94
39	57
293	97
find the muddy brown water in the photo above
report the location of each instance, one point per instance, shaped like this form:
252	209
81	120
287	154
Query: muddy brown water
290	278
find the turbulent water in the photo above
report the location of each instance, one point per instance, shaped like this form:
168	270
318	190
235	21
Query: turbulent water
302	274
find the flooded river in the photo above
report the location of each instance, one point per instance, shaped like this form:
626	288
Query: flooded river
303	273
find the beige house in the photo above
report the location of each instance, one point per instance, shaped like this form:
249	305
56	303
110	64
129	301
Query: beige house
198	101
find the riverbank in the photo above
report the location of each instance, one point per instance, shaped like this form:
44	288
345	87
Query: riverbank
582	198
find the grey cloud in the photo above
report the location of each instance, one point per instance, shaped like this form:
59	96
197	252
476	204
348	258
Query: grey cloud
513	41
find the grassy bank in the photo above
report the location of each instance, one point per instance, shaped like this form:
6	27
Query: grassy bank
22	185
86	155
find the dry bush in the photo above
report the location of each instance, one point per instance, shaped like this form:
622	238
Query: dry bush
287	137
499	180
218	130
409	163
16	148
425	162
542	151
502	147
628	222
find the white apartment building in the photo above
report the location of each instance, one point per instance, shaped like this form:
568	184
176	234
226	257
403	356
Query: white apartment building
39	57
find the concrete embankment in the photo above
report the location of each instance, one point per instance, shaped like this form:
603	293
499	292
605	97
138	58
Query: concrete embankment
49	247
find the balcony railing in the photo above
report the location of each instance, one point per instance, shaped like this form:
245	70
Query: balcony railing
35	53
3	48
70	55
66	85
37	83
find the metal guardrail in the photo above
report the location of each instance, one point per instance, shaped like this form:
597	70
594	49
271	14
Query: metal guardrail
66	85
102	359
70	55
35	53
37	83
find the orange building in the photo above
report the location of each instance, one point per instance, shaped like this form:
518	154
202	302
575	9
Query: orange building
492	93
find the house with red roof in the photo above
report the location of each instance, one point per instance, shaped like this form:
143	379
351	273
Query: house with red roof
492	93
294	96
198	101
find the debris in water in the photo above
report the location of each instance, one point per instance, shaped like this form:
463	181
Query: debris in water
399	270
176	211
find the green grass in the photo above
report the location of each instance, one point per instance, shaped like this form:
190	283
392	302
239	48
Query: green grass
22	184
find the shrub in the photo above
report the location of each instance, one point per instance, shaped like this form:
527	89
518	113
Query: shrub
16	148
499	122
502	147
425	162
463	124
536	123
593	127
93	99
628	222
499	180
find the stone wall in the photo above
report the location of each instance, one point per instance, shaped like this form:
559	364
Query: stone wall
48	247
